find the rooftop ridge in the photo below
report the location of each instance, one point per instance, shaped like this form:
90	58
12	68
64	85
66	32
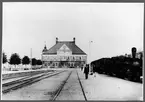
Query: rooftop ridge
70	44
65	41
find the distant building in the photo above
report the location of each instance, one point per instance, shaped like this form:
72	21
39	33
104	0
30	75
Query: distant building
64	54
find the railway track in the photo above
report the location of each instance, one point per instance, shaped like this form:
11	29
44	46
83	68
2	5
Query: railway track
30	73
19	80
60	88
82	87
7	87
54	97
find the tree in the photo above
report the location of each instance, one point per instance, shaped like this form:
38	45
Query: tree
4	58
39	62
34	61
15	59
25	60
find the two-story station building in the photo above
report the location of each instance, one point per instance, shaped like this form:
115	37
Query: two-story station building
64	54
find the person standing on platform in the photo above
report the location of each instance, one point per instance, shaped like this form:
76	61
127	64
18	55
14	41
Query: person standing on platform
81	68
86	71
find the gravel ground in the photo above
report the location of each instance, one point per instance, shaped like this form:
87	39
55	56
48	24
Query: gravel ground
103	87
100	87
42	90
72	89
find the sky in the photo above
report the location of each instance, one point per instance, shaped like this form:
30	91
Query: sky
113	28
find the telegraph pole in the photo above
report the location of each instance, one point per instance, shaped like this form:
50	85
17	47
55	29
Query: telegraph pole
90	55
31	58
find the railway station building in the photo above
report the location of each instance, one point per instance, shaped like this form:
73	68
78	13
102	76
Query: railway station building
64	54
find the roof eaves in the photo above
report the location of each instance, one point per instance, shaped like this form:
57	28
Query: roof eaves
79	53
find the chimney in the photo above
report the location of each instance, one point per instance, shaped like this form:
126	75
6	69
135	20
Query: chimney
56	40
74	39
45	47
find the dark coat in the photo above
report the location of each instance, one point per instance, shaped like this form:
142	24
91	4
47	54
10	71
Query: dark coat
86	70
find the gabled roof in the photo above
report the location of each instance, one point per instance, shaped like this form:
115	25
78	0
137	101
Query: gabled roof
70	44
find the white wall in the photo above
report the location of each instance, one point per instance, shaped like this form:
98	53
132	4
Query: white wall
63	58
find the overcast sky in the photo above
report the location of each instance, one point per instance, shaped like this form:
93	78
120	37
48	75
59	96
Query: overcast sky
114	28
